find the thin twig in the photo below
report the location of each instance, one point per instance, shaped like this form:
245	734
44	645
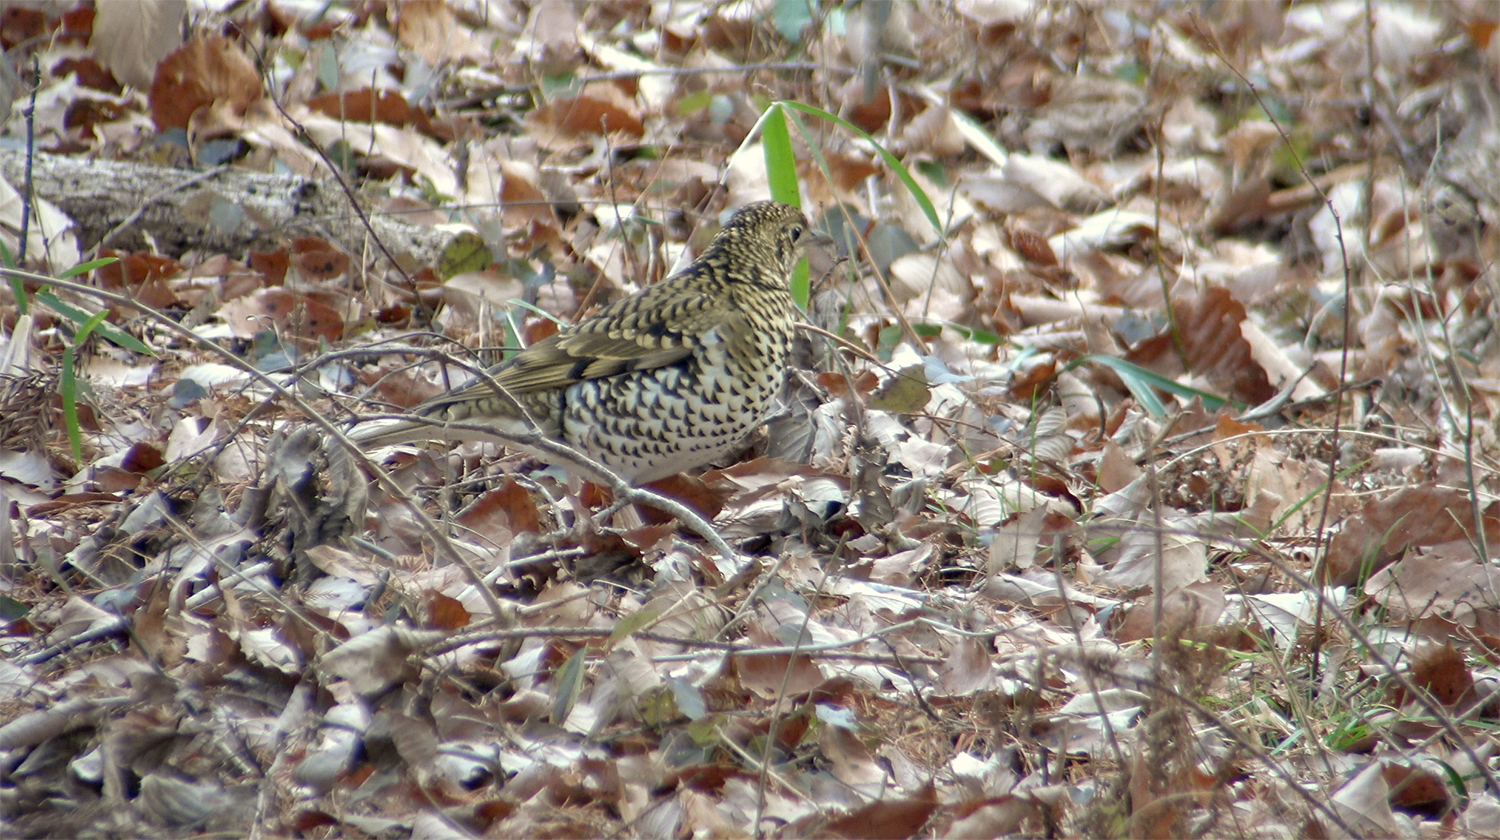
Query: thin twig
559	452
1324	541
829	650
140	210
349	192
26	187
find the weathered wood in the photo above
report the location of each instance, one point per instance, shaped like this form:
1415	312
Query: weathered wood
229	211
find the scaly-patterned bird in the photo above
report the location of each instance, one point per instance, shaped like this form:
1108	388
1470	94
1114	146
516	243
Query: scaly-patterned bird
667	379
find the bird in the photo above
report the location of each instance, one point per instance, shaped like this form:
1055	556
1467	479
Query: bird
670	378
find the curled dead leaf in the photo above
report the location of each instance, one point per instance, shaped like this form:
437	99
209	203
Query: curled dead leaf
203	72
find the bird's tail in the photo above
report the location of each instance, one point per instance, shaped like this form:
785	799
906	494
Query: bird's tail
390	431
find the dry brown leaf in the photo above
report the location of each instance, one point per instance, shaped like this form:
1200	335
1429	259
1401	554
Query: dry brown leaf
133	37
378	659
1409	518
1209	325
1442	671
1445	580
600	109
433	31
889	819
1364	802
1001	817
203	73
1116	468
851	762
368	105
293	315
1419	788
446	613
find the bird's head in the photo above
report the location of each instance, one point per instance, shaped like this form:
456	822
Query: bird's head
770	230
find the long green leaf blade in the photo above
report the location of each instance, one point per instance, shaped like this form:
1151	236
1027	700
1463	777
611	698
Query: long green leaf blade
566	685
1141	382
896	166
781	171
111	333
69	384
84	268
781	162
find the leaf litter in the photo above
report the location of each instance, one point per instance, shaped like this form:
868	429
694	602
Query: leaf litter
1149	496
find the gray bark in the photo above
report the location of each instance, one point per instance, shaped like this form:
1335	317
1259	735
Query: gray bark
230	211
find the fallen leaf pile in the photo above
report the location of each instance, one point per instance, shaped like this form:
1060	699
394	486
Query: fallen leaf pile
1137	477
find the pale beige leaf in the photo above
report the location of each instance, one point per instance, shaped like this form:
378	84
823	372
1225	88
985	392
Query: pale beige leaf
133	36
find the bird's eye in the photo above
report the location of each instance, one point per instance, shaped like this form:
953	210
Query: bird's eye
797	231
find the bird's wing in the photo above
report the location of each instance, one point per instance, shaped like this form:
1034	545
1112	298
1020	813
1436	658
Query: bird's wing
641	333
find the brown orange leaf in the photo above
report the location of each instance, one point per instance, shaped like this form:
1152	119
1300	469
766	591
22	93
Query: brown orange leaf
446	613
599	109
203	72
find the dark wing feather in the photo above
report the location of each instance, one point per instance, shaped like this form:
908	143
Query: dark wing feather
655	329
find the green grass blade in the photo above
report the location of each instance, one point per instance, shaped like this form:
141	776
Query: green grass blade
1141	383
896	166
935	329
567	684
631	623
979	138
83	268
111	333
17	285
781	171
535	310
89	326
70	384
781	162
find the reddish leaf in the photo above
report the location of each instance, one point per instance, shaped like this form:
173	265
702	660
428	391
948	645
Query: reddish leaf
19	24
297	316
308	820
692	491
1210	325
600	109
78	26
83	114
1026	386
838	384
501	513
131	270
1032	246
1442	671
367	105
1413	516
1416	790
888	819
446	613
327	264
141	458
645	538
272	265
90	74
203	72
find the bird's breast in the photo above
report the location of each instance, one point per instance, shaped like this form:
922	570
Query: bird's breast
648	424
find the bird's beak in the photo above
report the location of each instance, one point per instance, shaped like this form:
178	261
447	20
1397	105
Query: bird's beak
815	238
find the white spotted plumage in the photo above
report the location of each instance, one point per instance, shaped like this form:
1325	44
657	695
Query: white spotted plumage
670	378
